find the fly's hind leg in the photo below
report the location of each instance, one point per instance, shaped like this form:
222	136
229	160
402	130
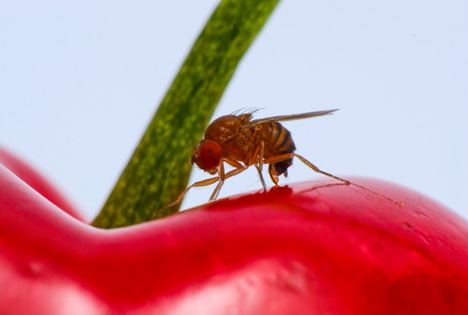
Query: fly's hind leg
283	157
316	169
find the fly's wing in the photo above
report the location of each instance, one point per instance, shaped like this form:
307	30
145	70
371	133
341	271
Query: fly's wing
292	117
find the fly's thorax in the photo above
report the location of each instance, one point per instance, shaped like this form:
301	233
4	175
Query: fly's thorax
226	127
231	134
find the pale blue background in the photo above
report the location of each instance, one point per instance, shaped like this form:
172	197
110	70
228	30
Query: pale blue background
79	81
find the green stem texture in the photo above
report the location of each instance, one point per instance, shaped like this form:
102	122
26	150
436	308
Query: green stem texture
160	167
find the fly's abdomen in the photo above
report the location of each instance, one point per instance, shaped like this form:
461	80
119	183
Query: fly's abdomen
281	142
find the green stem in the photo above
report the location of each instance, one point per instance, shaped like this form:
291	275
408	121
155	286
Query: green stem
160	167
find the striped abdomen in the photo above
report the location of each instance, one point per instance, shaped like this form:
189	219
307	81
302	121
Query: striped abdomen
280	142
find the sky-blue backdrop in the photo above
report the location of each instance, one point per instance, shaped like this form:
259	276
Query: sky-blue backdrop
79	81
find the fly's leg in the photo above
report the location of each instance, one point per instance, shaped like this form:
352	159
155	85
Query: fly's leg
316	169
259	169
256	158
205	182
283	157
259	165
202	183
222	178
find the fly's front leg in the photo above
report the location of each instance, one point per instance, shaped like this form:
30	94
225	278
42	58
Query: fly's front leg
221	182
205	182
221	174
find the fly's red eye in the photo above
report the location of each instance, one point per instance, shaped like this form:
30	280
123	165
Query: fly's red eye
210	154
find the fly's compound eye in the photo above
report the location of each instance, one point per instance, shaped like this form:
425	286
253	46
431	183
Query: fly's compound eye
210	154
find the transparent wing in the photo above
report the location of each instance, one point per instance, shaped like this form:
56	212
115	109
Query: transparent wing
293	117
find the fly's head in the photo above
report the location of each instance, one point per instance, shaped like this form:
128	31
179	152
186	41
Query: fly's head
207	155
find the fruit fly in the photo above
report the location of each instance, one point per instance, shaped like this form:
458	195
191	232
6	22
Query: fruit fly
241	142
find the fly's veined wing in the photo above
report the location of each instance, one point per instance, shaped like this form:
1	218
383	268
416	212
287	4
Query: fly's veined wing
293	117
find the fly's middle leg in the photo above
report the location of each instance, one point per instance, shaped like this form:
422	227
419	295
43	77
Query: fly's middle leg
259	165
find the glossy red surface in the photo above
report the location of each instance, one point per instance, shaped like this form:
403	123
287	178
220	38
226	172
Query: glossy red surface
34	179
312	248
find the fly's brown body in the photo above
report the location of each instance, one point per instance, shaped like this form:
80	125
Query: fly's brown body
242	142
242	139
